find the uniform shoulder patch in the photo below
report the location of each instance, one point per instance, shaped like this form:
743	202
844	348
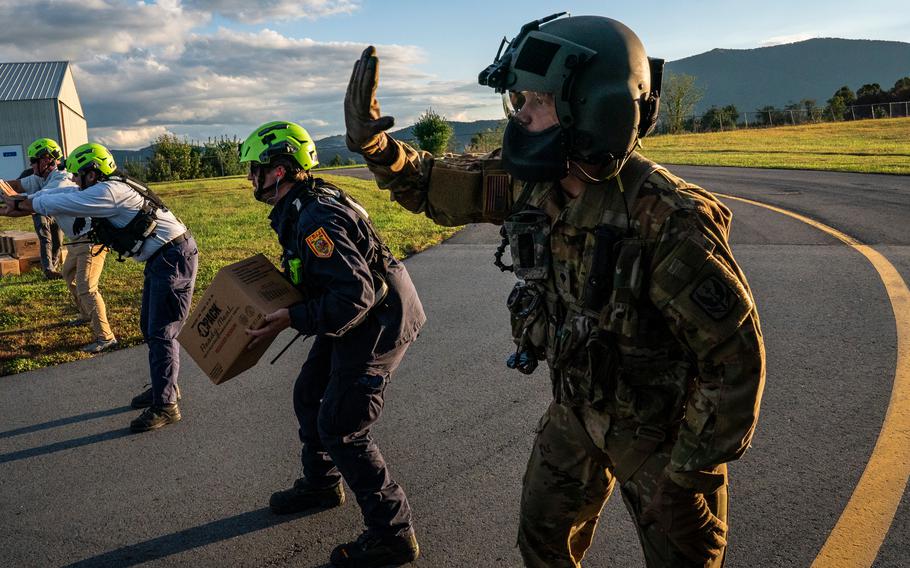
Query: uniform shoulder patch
320	243
715	297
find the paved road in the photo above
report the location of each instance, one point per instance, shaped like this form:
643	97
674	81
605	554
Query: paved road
77	489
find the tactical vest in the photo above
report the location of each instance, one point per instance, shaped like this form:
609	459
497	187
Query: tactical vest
378	259
127	241
582	302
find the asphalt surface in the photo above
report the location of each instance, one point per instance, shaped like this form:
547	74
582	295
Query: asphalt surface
77	489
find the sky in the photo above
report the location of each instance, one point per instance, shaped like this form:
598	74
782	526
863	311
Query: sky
211	68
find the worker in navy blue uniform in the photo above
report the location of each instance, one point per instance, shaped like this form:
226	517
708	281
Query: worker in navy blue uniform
360	304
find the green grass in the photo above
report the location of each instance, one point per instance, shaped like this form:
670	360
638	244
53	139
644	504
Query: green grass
229	225
865	146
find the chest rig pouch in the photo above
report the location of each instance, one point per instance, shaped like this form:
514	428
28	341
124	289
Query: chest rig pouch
599	314
127	241
528	233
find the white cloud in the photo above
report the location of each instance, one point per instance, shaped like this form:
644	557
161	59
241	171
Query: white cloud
789	38
146	69
128	138
263	10
76	30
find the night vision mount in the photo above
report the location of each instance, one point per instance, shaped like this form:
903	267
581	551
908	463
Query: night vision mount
497	74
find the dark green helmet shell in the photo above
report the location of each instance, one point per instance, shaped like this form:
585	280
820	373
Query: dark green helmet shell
599	73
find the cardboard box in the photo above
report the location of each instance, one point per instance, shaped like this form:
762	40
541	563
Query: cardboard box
28	264
240	296
19	244
9	266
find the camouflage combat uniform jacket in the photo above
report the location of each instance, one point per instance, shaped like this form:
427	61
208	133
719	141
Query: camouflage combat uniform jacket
675	345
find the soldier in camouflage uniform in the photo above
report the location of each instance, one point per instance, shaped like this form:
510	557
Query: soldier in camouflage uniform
627	288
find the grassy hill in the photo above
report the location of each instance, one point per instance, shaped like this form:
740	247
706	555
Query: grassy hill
777	75
866	146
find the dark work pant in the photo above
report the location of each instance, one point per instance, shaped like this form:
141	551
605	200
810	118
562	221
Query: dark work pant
50	240
337	403
166	296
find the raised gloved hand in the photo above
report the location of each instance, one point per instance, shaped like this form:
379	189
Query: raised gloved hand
684	515
362	118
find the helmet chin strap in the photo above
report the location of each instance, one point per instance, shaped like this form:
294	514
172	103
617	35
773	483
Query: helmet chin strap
576	169
260	193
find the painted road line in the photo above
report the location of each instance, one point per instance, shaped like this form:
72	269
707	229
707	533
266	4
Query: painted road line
863	525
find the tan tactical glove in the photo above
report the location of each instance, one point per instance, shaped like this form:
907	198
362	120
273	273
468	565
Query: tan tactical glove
365	125
684	515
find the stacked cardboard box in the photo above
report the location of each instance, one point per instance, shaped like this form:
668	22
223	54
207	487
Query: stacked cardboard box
9	266
19	252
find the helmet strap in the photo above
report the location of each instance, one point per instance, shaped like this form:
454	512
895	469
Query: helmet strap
259	193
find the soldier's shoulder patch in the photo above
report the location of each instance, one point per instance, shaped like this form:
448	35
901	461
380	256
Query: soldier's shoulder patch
715	297
320	243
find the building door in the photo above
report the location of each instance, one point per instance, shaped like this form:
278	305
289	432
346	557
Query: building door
12	161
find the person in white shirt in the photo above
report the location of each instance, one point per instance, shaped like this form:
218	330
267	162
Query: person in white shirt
44	154
131	220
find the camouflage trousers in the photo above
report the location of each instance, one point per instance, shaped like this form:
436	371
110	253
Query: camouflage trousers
565	488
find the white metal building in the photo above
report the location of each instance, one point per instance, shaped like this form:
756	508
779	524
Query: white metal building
37	99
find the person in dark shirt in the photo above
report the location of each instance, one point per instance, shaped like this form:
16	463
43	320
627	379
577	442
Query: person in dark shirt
360	304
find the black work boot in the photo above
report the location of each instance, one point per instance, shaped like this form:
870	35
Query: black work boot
303	496
372	550
155	417
144	399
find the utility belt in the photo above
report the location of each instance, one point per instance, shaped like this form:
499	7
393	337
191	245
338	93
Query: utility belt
170	244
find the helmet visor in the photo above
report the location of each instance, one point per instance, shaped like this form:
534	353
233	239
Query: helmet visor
533	110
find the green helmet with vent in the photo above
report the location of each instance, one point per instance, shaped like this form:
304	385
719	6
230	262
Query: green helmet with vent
91	155
279	138
44	146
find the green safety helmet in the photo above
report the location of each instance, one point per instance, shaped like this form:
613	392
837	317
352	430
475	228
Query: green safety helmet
605	86
43	146
280	138
91	155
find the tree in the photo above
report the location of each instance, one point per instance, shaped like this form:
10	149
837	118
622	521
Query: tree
771	116
813	113
336	161
220	158
488	140
432	132
135	169
173	160
846	94
837	108
869	94
720	118
678	98
901	90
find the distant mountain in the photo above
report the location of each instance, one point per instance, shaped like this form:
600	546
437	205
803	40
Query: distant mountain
461	137
123	156
331	145
777	75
